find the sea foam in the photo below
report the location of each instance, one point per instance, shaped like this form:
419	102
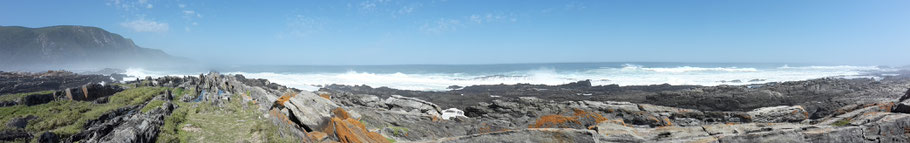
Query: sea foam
628	74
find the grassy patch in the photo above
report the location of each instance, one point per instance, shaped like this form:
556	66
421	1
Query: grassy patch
399	131
391	140
842	122
178	93
172	124
152	105
235	122
17	96
68	117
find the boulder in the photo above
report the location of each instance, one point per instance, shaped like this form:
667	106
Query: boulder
779	114
48	137
310	110
20	122
412	104
90	92
37	99
13	135
902	107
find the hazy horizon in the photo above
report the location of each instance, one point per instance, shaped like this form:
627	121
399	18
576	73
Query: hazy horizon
442	32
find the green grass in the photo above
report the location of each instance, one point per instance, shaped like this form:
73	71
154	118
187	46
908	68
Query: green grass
154	104
235	122
399	131
169	132
17	96
68	117
178	93
842	122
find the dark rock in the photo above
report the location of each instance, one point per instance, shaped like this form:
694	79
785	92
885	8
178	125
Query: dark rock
454	87
92	92
48	137
8	103
37	99
579	84
13	82
20	122
902	105
13	135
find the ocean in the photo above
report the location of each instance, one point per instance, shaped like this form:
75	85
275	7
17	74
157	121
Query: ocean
439	77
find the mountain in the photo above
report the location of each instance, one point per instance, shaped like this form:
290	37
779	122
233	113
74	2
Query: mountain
74	47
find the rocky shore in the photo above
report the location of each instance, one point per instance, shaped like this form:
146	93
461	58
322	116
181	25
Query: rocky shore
231	108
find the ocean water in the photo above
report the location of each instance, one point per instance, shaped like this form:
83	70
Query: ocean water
439	77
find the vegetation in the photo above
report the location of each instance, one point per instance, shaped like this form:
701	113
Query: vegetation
842	122
17	96
399	131
204	122
154	104
169	132
68	117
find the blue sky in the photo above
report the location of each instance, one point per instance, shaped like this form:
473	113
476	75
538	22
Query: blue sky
481	31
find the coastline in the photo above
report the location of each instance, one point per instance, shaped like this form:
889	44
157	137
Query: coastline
814	109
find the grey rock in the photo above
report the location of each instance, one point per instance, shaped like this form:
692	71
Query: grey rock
779	114
48	137
529	136
410	104
36	99
13	135
311	110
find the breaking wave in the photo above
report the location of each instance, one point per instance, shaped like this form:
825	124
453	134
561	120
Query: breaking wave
627	74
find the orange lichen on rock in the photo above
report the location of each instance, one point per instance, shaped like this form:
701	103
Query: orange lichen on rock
667	121
85	92
340	113
804	111
554	121
349	130
886	107
317	135
326	96
484	128
581	114
285	98
274	112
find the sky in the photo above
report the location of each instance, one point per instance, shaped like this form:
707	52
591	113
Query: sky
371	32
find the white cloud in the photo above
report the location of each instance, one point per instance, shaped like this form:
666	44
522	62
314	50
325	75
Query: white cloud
406	10
492	18
575	6
143	1
181	5
149	6
367	6
441	25
142	25
476	18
